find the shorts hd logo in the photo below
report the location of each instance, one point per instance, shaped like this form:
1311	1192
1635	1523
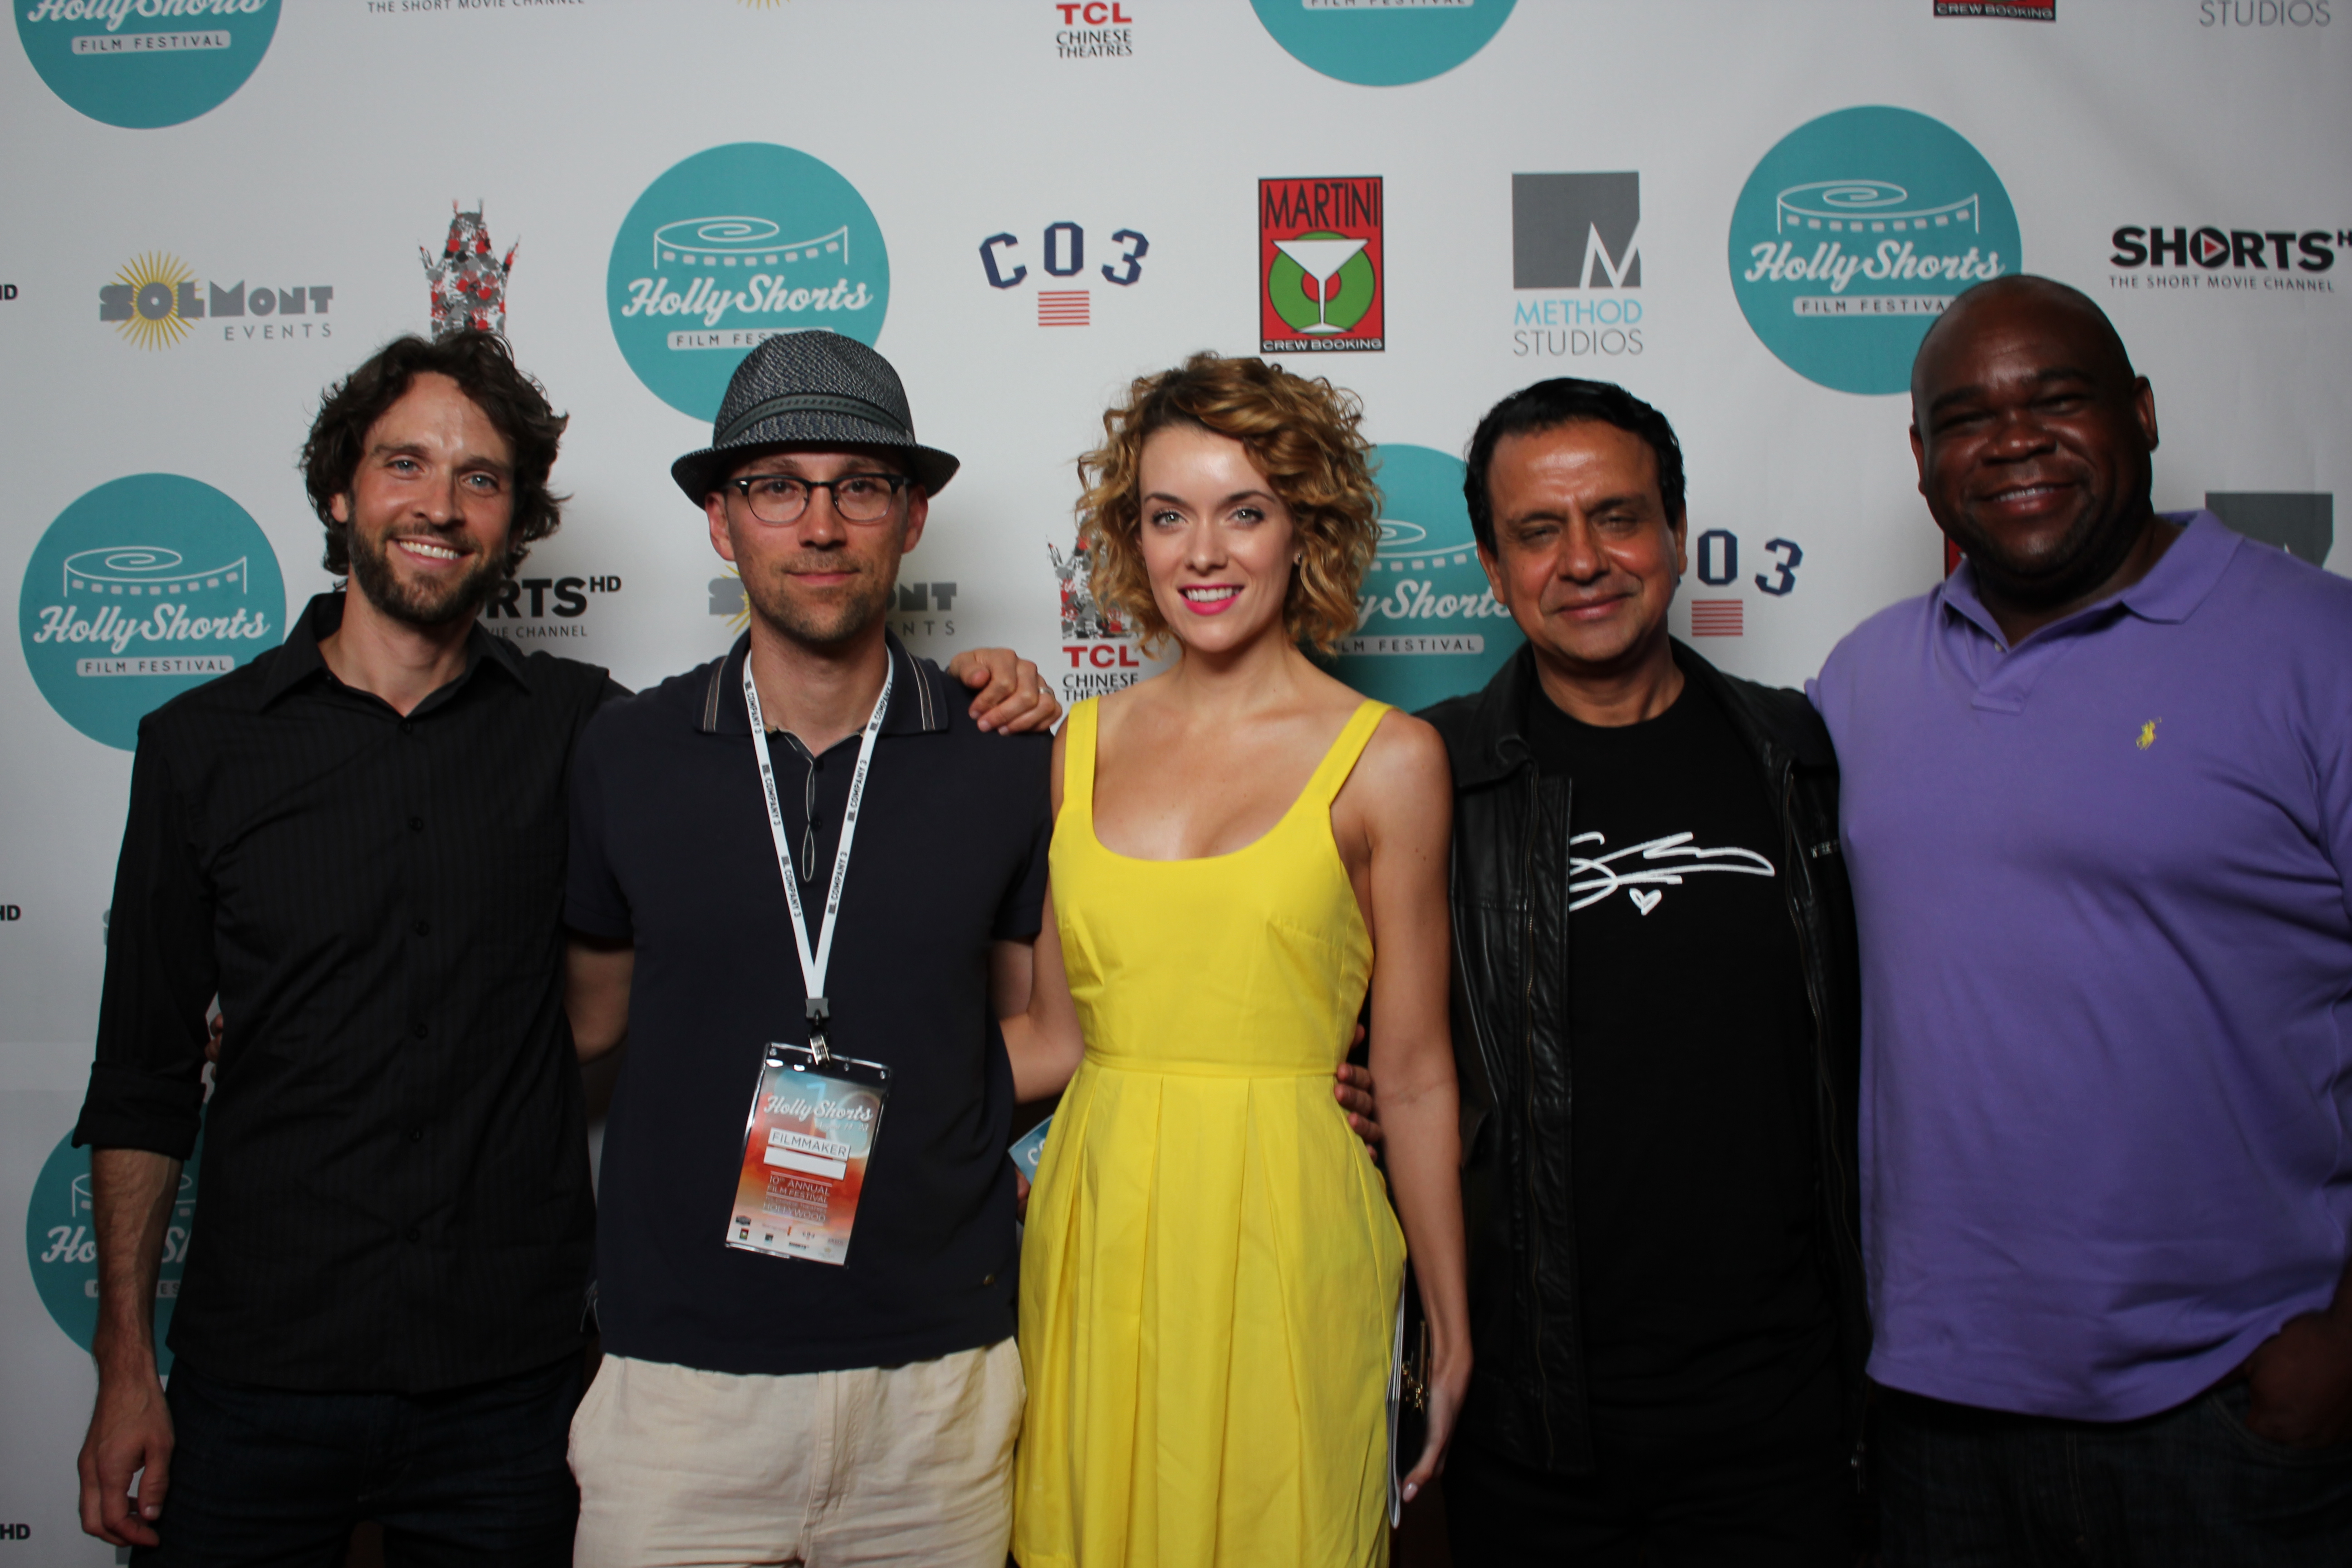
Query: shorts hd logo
1383	43
144	588
61	1245
1855	233
730	249
1322	281
1429	626
144	63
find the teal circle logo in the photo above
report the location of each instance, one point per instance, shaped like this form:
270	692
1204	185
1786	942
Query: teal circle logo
144	63
1855	233
143	589
1383	45
1429	626
61	1245
730	247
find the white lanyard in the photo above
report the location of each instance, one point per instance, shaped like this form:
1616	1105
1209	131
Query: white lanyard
814	964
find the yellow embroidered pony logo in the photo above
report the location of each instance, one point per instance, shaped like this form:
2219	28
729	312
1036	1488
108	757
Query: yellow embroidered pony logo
2148	734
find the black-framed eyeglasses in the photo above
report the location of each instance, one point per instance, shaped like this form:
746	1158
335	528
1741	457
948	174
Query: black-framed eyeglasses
858	498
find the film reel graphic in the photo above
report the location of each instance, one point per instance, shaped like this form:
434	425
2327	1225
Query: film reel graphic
739	241
1871	207
146	571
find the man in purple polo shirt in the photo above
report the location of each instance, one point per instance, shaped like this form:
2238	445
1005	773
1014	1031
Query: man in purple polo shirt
2098	814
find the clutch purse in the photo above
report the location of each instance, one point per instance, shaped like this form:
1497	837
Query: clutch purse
1408	1394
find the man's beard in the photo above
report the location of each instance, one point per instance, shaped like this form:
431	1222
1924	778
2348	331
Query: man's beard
420	603
820	626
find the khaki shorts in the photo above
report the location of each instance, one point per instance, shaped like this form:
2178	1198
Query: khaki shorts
903	1464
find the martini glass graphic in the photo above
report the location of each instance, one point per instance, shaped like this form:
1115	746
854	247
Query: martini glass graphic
1321	261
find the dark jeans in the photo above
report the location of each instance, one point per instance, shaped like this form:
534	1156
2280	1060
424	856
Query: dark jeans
1784	1505
1961	1487
269	1476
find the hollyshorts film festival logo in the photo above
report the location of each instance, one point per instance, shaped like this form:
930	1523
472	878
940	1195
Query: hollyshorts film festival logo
732	246
61	1245
1852	235
1383	43
157	301
1322	279
140	64
145	587
1429	626
1576	266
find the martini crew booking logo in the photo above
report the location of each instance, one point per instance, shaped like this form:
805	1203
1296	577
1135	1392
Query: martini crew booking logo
1579	233
144	63
61	1245
730	247
2015	10
1322	283
1853	234
156	300
1383	43
1428	625
145	587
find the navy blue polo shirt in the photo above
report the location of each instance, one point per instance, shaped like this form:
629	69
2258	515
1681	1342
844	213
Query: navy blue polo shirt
670	849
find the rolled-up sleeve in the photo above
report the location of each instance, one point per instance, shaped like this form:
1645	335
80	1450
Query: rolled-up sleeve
146	1086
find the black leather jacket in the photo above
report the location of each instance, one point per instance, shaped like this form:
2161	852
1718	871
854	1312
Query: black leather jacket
1509	894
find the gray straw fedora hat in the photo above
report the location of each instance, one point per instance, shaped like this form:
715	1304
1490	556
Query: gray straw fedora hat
813	388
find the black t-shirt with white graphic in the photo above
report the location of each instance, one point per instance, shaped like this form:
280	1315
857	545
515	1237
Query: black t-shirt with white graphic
1706	1315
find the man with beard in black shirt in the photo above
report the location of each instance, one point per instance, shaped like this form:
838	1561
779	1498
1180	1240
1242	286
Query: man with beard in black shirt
1656	1027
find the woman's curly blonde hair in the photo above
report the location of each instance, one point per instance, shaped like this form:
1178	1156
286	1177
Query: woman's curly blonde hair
1301	434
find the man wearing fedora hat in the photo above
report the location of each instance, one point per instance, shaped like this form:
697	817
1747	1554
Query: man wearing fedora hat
813	1360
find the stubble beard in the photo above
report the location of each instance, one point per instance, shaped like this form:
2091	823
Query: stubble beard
419	605
827	625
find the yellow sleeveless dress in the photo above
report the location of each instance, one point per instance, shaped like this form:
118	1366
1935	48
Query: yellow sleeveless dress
1209	1277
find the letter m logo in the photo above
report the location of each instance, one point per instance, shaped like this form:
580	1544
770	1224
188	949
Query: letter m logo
1567	227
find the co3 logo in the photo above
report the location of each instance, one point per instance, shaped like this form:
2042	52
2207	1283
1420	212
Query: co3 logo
1717	552
1062	253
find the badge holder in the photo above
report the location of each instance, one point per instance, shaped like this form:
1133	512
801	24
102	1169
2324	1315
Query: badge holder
814	1120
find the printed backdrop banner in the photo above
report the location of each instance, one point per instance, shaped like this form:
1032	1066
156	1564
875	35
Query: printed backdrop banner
1747	213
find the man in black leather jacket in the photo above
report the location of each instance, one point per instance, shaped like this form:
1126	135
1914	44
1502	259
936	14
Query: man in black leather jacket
1657	1024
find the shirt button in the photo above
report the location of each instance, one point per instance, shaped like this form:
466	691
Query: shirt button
423	928
407	727
988	1279
417	1135
415	1234
418	1031
416	825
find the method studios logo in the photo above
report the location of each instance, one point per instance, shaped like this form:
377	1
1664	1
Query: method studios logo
61	1245
144	63
1853	234
1428	625
1322	280
1580	235
1383	43
143	588
156	301
730	247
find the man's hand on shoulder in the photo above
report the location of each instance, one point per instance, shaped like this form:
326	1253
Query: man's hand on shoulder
2302	1382
1013	697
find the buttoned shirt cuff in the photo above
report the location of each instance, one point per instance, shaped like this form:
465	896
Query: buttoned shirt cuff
128	1108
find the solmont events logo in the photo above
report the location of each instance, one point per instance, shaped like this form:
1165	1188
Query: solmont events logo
1855	233
61	1245
140	64
143	588
1428	625
1383	43
155	300
730	247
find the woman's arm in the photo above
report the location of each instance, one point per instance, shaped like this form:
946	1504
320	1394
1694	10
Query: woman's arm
1405	795
1031	992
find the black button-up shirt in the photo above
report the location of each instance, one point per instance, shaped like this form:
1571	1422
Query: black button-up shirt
395	1190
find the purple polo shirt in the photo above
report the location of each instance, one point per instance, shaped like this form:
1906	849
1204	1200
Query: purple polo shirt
2106	1093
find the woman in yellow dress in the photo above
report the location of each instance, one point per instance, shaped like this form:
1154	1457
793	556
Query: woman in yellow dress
1210	1273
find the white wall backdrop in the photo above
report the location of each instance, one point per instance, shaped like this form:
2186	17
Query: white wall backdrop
159	163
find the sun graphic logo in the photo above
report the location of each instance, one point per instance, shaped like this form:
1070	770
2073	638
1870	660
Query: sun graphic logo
151	300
